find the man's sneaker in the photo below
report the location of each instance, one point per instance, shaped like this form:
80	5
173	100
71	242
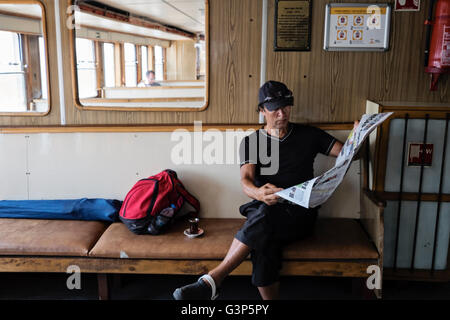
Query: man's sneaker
198	290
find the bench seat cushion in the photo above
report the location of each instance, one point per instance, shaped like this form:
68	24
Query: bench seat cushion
333	239
48	237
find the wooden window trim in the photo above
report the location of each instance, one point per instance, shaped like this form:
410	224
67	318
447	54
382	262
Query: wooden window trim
119	67
151	57
164	57
139	63
28	72
44	35
82	107
99	66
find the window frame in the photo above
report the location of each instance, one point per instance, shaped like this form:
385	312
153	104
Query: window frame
120	48
46	59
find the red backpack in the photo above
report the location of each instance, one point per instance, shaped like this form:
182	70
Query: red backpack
153	203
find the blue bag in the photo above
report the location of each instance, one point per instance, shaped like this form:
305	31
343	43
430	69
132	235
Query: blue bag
78	209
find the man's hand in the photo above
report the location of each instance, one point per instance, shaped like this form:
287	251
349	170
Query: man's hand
266	194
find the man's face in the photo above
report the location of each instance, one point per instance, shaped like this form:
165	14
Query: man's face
279	118
151	77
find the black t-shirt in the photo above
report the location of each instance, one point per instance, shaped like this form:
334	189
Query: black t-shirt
297	150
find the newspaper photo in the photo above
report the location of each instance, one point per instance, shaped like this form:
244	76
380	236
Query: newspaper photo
315	192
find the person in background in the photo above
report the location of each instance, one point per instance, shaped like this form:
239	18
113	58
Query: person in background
149	80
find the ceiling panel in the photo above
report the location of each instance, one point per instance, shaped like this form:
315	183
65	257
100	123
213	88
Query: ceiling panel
97	22
27	9
185	14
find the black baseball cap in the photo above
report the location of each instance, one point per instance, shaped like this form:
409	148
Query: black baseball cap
274	95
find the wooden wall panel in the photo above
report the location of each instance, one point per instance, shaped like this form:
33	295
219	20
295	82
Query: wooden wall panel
329	87
171	61
235	45
186	52
53	118
181	60
333	86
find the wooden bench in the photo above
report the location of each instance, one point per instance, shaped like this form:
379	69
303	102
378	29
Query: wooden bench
339	247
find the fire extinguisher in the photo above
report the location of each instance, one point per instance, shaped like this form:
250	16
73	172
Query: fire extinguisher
437	52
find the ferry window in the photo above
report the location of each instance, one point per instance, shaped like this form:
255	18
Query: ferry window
87	73
12	75
201	59
43	64
136	37
159	63
108	65
144	61
130	65
23	67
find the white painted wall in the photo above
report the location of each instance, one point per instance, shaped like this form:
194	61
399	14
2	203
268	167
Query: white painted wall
106	165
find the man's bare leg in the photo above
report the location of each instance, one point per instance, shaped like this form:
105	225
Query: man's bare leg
236	254
270	292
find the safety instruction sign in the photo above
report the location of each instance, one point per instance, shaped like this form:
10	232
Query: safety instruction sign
357	27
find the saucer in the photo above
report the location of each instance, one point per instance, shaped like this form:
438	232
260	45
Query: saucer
200	232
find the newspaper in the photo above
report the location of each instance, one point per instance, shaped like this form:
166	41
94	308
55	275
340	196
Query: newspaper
314	192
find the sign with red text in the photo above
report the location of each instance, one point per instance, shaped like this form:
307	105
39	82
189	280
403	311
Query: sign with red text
417	152
407	5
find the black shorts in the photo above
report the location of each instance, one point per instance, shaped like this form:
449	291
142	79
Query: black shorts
267	230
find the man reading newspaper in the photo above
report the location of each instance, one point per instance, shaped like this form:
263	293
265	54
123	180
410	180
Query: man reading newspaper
275	157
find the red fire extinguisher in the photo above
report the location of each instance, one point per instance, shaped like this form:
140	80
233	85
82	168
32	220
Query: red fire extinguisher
437	54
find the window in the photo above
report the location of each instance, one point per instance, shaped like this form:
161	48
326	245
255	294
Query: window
159	63
43	65
201	60
87	77
12	75
130	65
109	71
144	62
123	52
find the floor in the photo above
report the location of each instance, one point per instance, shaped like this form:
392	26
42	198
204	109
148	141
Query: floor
45	286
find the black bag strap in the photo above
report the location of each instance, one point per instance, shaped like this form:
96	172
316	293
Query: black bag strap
184	193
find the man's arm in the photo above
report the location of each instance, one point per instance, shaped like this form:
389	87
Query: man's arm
337	147
265	194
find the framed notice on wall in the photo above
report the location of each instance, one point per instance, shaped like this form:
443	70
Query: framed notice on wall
357	27
292	25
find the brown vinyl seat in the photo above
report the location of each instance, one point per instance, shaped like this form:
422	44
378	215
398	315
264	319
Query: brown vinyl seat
48	237
333	239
